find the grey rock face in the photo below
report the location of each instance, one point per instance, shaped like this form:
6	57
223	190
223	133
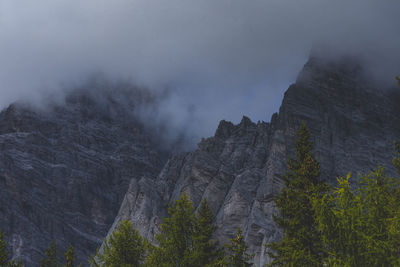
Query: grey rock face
239	170
65	171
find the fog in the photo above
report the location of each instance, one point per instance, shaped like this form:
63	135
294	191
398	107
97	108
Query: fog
217	59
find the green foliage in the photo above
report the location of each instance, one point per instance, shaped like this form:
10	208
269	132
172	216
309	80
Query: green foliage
70	257
361	226
176	238
4	255
186	238
237	252
347	225
204	251
3	251
50	260
125	248
301	244
398	80
396	160
185	241
13	264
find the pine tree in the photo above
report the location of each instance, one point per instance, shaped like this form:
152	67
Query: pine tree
396	160
237	252
13	263
301	243
205	251
361	226
50	260
3	251
125	247
175	242
70	257
4	255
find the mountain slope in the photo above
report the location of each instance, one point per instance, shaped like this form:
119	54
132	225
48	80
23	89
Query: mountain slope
238	171
64	170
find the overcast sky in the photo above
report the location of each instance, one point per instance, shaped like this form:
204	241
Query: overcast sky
220	58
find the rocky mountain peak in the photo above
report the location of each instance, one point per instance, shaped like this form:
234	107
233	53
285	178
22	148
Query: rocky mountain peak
73	171
224	129
246	122
239	170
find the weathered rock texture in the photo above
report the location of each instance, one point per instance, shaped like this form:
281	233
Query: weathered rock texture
64	170
239	170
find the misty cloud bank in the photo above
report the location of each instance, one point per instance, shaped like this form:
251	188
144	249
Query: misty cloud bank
215	59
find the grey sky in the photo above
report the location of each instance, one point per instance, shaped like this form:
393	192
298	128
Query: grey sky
221	58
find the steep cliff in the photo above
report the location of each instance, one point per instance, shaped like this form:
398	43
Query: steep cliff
239	169
64	170
67	169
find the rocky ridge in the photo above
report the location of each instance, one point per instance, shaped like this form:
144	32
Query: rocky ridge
64	170
239	169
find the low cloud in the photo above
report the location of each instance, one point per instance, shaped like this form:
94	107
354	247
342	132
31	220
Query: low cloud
217	59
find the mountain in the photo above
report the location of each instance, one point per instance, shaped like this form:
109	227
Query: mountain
238	171
71	171
64	169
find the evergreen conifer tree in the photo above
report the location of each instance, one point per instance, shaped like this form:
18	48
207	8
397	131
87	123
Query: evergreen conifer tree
205	251
3	251
176	238
301	243
237	252
396	160
70	257
360	225
124	248
13	263
4	255
50	260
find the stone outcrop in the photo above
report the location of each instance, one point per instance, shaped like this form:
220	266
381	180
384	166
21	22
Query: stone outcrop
240	168
65	170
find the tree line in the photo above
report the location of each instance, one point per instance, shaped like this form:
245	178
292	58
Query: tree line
185	240
350	224
50	259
